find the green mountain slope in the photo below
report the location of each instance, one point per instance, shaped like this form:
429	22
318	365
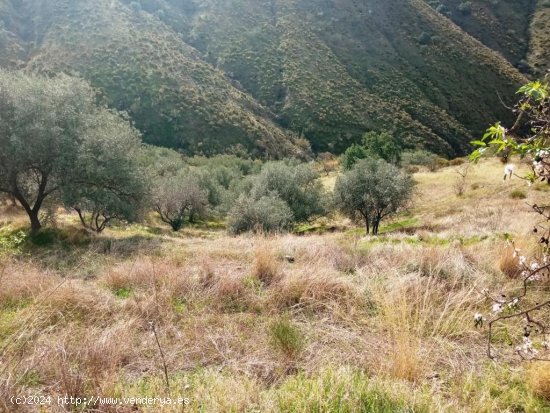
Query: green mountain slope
501	25
519	30
144	67
208	75
539	49
365	65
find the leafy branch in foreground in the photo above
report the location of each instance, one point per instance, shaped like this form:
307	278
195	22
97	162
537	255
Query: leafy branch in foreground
526	311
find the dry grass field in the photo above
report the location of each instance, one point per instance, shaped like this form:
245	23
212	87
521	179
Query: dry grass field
325	322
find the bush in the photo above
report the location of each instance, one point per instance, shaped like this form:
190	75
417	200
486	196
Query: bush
296	184
518	194
381	145
457	161
424	38
268	214
286	337
352	155
420	158
465	7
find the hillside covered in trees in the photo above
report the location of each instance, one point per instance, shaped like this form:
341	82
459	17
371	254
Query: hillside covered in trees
271	77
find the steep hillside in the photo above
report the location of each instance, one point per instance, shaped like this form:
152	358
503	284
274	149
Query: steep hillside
519	30
539	52
209	75
143	67
501	25
366	65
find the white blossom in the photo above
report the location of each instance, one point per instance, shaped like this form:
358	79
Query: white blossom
513	303
527	347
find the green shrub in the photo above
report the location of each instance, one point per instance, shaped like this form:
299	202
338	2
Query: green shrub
268	214
286	336
420	158
352	155
44	237
296	184
424	38
11	242
518	194
383	145
465	7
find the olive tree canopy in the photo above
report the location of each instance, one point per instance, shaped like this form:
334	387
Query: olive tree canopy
371	191
180	198
297	184
57	142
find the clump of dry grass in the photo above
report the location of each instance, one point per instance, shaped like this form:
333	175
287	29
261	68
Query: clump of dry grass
22	283
434	262
230	293
142	273
404	361
518	194
346	259
509	264
538	378
152	276
314	288
72	301
266	267
206	274
88	364
431	307
452	263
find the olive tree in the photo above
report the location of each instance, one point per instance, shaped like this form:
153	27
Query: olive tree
54	137
110	186
381	145
297	184
371	191
180	198
268	214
